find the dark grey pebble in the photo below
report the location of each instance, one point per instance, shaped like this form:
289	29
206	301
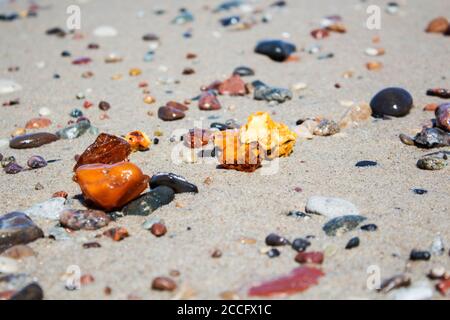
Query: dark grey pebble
276	240
33	291
419	191
419	255
343	224
178	183
150	201
432	138
369	227
365	163
273	253
300	244
17	228
352	243
395	102
229	21
277	50
264	92
13	168
219	126
32	140
244	71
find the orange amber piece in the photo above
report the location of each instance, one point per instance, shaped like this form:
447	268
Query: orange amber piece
107	149
111	186
38	123
138	140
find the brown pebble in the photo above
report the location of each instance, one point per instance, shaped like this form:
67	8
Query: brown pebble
431	107
116	234
90	245
104	106
208	180
188	71
19	252
174	273
60	194
216	254
107	291
374	66
191	56
438	25
86	279
163	284
158	229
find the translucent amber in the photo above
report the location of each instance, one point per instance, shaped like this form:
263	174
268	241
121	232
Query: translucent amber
111	186
138	140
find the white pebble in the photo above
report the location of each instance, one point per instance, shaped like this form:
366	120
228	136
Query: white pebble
330	207
105	31
9	86
43	112
8	265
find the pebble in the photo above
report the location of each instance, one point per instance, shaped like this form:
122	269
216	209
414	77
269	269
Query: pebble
264	92
91	245
276	240
176	182
431	163
310	257
243	71
369	227
216	254
352	243
233	86
395	102
74	131
439	92
44	112
163	284
419	191
33	291
277	50
208	101
167	113
420	291
116	234
432	138
13	168
38	123
7	161
438	272
158	229
150	201
8	265
437	247
438	25
32	140
319	34
183	17
300	244
273	253
395	282
105	31
19	252
326	128
341	225
9	86
416	255
330	207
355	115
17	228
366	163
443	116
84	219
36	162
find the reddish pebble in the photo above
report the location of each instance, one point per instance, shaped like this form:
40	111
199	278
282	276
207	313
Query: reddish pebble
38	123
234	86
309	257
158	229
177	105
443	116
104	106
444	287
319	34
208	101
87	104
80	61
163	284
116	234
86	279
300	279
60	194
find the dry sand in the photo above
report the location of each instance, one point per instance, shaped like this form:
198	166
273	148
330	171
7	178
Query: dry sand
236	204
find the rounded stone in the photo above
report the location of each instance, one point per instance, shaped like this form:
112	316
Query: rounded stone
396	102
277	50
177	183
32	140
36	162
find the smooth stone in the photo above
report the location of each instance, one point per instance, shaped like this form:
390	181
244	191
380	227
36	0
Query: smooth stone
32	140
396	102
178	183
341	225
170	113
264	92
17	228
277	50
49	209
219	126
183	17
431	163
432	138
419	191
443	116
105	31
8	265
84	219
19	252
147	225
365	164
150	201
9	86
229	21
419	291
244	71
208	101
352	243
74	131
36	162
33	291
330	207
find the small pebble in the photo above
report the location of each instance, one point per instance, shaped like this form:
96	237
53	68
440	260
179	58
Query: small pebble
300	244
416	255
369	227
352	243
158	229
36	162
163	284
273	253
275	240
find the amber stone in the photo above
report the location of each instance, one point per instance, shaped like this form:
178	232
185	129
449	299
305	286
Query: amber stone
111	186
438	25
38	123
234	86
138	140
106	149
116	234
163	284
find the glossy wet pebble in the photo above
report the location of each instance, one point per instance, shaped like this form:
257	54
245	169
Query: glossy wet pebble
396	102
36	162
167	113
300	244
150	201
176	182
13	168
419	255
330	207
74	131
443	116
277	50
365	163
17	228
352	243
32	140
275	240
432	138
341	225
84	219
208	101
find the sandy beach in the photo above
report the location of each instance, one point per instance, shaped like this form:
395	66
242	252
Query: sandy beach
234	211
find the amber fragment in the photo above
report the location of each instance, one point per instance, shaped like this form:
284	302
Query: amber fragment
38	123
106	149
111	186
138	140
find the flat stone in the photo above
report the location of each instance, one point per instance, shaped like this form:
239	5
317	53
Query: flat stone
330	207
150	201
9	86
84	219
178	183
32	140
244	71
432	138
341	225
167	113
208	101
49	209
17	228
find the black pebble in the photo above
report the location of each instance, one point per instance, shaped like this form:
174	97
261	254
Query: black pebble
276	50
65	54
275	240
365	163
396	102
273	253
419	191
33	291
300	244
243	71
352	243
419	255
369	227
155	140
178	183
219	126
